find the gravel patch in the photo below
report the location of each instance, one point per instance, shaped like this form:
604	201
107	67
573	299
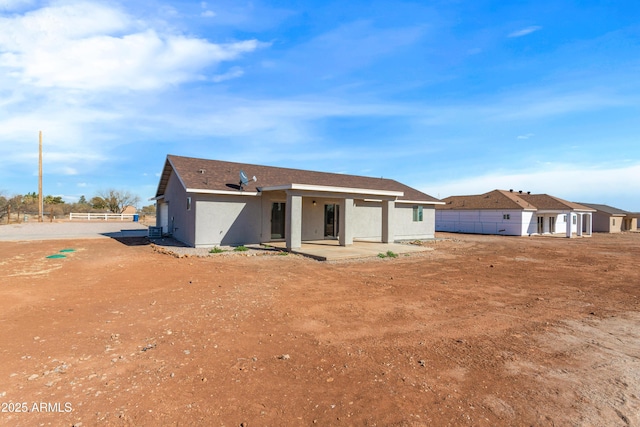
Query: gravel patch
177	249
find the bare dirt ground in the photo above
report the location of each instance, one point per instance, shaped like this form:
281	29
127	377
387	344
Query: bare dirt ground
481	331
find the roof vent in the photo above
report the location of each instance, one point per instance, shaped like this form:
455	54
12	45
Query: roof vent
520	191
511	191
202	171
528	192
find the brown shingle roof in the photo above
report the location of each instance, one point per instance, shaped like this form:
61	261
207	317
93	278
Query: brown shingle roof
606	209
216	175
501	199
547	202
496	199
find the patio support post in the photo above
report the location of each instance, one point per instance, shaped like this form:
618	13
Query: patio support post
589	224
346	222
293	221
388	207
579	225
569	222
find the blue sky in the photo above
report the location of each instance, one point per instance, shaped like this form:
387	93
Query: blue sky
451	97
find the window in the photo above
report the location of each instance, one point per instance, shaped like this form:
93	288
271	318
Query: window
506	216
614	221
417	213
188	203
575	220
564	218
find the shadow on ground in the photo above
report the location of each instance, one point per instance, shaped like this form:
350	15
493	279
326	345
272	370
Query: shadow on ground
135	237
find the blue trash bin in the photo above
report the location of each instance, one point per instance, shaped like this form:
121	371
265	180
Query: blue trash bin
136	217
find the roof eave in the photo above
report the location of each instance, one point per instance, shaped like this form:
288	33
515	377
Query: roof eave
333	189
420	202
223	192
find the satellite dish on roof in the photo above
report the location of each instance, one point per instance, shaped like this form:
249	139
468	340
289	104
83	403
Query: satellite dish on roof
244	180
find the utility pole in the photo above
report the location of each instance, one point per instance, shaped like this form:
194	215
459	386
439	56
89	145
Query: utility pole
40	200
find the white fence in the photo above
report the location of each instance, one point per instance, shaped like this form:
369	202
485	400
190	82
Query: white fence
103	216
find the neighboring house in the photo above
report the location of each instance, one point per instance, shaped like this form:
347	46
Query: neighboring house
608	219
513	214
203	204
129	210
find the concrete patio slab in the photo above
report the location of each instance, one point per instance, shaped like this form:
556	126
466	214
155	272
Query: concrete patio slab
330	250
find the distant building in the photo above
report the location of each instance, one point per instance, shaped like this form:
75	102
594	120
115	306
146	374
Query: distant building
129	210
513	213
608	219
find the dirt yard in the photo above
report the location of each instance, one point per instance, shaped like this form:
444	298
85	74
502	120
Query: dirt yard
480	331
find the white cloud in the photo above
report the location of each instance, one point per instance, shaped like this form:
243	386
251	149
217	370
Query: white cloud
286	121
550	102
94	47
525	31
208	14
526	136
233	73
66	170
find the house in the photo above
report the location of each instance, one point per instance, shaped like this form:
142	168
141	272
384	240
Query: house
129	210
608	219
513	214
206	203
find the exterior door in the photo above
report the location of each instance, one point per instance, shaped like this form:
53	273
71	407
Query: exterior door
540	224
552	224
164	217
331	215
277	220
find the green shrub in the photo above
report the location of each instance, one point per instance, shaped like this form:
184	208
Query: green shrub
241	248
216	250
392	254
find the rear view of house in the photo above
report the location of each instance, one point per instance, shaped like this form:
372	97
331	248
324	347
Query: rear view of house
513	214
206	203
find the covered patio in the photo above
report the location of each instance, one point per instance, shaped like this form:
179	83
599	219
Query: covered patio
347	212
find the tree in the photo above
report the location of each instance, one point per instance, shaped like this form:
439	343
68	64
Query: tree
117	200
98	203
51	200
82	206
148	210
30	198
3	205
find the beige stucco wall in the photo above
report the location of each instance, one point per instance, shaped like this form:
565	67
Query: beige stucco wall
407	229
180	221
217	220
227	220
